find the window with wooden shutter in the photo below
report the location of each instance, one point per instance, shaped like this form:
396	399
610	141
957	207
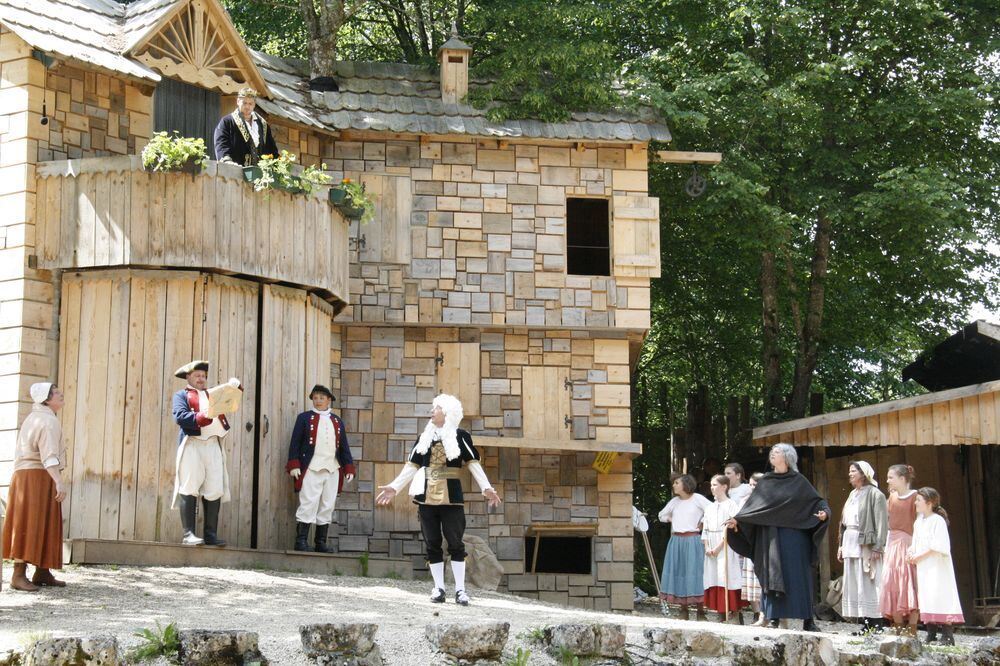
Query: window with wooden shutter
636	236
545	403
458	373
387	237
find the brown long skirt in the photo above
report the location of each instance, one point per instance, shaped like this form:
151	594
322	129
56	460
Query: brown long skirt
32	529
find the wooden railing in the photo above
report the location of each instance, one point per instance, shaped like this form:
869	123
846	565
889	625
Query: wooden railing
108	211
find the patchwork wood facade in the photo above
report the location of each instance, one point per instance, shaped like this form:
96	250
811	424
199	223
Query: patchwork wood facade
113	277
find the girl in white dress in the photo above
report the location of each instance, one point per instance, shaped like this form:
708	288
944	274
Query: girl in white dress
930	551
722	575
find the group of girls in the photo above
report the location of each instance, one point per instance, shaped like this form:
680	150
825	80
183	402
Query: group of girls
896	553
700	569
897	556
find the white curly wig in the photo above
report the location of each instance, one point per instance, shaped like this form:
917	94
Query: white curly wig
448	433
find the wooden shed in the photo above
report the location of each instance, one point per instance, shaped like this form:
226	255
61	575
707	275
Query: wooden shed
952	440
509	263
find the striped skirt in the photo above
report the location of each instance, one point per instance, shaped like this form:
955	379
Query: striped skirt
32	529
751	586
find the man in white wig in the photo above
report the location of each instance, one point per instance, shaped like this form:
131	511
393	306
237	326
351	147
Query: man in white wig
432	472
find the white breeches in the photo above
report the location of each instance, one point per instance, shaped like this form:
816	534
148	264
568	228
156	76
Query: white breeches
201	470
318	497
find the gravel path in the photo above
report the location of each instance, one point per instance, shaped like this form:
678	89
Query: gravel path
121	600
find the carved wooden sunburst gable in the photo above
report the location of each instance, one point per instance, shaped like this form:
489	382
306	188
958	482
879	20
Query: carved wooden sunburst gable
197	44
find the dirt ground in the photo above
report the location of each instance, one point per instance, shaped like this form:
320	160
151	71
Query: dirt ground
122	600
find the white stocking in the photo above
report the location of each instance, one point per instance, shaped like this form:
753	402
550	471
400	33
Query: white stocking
458	569
437	572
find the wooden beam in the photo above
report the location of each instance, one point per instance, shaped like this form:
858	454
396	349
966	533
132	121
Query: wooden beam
561	445
687	157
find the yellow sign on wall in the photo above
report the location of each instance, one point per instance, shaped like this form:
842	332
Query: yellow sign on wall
604	461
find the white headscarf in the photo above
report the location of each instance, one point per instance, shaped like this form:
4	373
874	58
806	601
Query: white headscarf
448	433
867	470
40	392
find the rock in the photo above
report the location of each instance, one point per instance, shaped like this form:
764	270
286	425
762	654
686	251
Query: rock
587	640
986	651
764	653
679	642
900	647
705	644
200	647
344	644
89	651
806	650
611	640
578	639
865	659
468	640
664	641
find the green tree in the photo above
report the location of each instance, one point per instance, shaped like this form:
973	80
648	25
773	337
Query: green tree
846	225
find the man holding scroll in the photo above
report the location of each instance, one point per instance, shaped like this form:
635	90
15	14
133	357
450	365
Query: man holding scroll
201	458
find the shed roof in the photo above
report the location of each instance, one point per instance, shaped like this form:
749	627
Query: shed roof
388	97
970	356
966	415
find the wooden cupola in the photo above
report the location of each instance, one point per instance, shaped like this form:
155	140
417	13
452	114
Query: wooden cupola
454	58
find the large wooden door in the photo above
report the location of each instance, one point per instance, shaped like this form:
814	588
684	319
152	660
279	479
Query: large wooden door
123	333
295	355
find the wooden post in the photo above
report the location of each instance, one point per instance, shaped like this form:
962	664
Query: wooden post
823	488
979	532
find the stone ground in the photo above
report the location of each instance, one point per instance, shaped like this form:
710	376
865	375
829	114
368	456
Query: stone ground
122	600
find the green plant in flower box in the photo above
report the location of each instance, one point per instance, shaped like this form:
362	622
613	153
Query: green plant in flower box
276	173
353	201
166	152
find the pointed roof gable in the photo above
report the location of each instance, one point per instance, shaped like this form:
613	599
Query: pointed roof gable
192	40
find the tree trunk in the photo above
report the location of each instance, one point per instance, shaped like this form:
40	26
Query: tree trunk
808	346
323	19
771	357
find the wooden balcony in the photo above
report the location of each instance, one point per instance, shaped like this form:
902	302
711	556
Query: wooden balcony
108	211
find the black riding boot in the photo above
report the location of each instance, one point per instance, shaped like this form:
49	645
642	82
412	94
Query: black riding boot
212	522
321	546
187	505
302	536
932	632
947	634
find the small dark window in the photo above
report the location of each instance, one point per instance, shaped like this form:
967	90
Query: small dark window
562	555
588	237
190	110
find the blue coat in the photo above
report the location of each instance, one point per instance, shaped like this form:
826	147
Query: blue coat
303	445
186	408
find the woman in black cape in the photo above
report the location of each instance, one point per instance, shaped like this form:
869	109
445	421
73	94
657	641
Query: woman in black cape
780	528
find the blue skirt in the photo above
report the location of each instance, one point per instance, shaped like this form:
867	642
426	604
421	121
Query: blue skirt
683	581
794	549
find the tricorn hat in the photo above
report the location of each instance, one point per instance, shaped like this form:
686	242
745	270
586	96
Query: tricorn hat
319	388
185	370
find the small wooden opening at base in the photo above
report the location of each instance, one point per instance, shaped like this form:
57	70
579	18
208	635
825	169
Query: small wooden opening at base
558	554
588	237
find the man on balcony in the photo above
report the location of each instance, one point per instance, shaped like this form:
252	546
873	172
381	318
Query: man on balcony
243	136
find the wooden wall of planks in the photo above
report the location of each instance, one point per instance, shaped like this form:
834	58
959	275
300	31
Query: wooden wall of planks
107	211
123	334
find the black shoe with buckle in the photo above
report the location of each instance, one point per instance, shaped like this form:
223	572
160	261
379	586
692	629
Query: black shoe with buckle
461	598
437	596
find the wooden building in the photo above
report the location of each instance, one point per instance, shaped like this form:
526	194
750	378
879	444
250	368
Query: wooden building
951	437
509	263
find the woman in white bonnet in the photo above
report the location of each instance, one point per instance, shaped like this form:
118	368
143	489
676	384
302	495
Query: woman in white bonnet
432	472
32	531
